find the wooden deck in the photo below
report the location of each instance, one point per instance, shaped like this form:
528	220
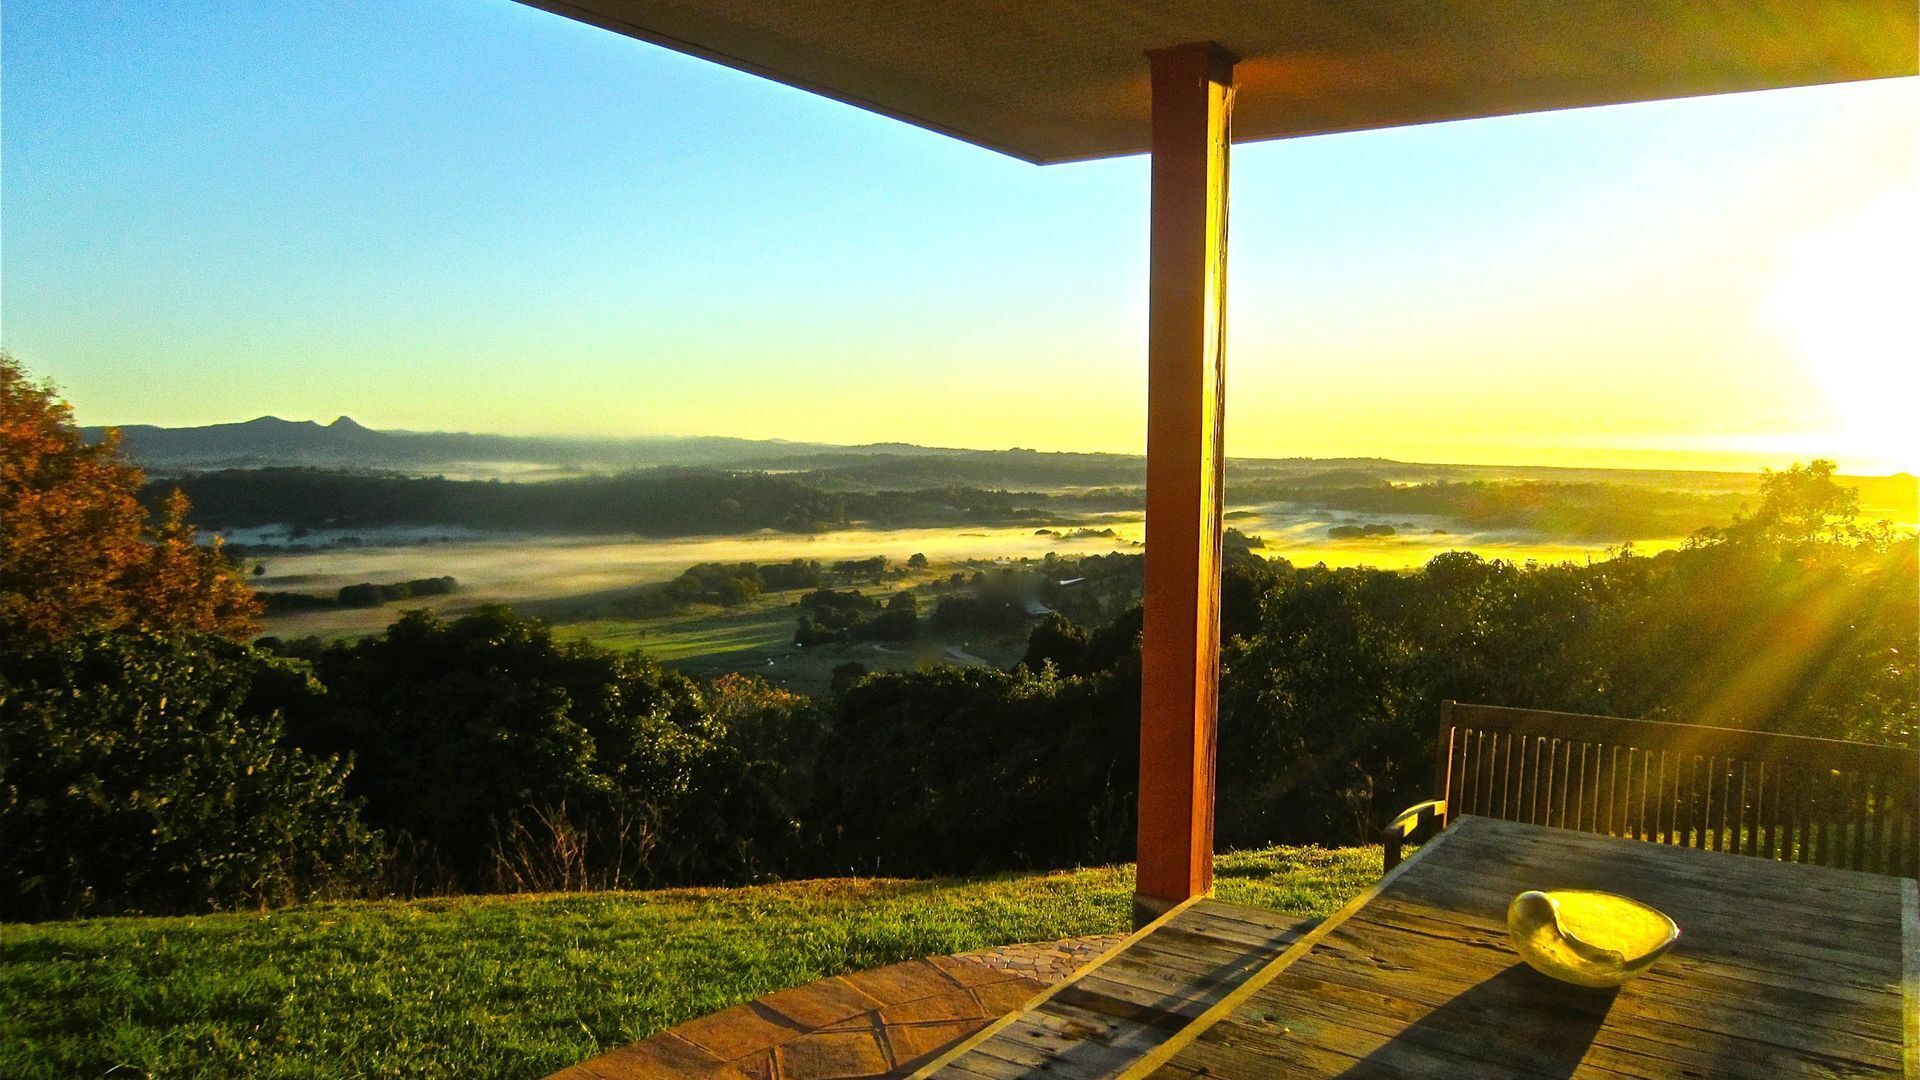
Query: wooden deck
1780	970
1140	994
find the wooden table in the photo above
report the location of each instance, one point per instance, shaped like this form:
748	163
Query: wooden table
1780	970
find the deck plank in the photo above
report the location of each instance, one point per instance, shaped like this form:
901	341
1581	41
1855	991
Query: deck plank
1111	1013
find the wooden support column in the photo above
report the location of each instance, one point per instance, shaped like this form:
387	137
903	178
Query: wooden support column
1186	389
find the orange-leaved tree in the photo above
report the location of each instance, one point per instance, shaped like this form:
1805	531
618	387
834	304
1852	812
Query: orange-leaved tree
79	551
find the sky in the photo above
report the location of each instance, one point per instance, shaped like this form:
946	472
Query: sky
471	215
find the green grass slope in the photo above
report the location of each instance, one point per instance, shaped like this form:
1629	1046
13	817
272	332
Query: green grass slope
517	986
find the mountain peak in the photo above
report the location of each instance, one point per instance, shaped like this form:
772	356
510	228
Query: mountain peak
346	423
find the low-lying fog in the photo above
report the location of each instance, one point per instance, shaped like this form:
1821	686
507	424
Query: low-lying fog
526	568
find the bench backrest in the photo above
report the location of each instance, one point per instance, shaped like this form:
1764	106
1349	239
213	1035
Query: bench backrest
1849	805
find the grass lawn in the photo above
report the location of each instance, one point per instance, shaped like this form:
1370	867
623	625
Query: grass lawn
517	986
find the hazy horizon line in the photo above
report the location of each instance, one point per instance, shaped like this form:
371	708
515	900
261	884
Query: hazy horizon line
1621	457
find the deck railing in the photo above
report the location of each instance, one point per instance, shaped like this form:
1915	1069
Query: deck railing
1850	805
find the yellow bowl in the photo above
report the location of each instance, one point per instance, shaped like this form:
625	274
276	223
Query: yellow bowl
1587	938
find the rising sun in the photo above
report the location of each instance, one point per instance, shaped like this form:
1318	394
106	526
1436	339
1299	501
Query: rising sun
1849	299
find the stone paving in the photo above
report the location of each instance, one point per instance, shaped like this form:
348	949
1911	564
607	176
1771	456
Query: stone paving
877	1023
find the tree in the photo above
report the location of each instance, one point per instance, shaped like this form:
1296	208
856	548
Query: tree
1056	640
1801	505
917	561
79	551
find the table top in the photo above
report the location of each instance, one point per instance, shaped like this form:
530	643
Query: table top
1780	970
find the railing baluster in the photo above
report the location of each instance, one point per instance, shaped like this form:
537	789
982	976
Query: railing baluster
1911	833
1901	862
1707	834
1468	762
1738	786
1570	794
1482	767
1590	804
1704	796
1645	803
1522	777
1613	789
1458	763
1536	782
1821	848
1674	764
1713	828
1856	822
1744	823
1769	810
1543	783
1689	798
1596	797
1781	807
1506	775
1796	846
1682	798
1662	808
1877	792
1558	783
1483	794
1578	821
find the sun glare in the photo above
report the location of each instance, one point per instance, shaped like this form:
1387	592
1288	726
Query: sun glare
1846	298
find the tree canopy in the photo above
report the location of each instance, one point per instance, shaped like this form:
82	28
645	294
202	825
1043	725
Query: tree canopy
78	550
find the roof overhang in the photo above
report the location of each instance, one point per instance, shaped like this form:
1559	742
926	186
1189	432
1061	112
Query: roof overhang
1064	80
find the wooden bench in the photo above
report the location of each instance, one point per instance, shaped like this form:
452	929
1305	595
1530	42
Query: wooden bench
1855	806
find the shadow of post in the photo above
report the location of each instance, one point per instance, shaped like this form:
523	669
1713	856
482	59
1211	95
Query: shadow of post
1519	1019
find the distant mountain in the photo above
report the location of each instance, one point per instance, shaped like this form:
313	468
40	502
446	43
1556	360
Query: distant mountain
347	444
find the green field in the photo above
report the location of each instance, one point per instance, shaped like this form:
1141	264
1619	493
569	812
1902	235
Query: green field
757	637
517	986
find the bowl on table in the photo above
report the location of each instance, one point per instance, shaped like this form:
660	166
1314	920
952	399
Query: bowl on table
1588	938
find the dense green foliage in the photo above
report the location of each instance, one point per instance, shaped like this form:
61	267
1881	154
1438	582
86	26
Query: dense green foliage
364	594
1793	620
500	758
516	987
652	502
493	757
829	615
671	501
141	772
970	767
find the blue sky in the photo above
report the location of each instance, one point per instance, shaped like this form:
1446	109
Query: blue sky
468	214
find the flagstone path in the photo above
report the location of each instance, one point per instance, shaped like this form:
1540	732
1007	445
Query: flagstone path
877	1023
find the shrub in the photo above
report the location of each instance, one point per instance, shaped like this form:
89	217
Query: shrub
484	733
960	769
141	773
897	623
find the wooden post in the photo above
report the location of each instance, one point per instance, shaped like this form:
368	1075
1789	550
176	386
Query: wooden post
1186	388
